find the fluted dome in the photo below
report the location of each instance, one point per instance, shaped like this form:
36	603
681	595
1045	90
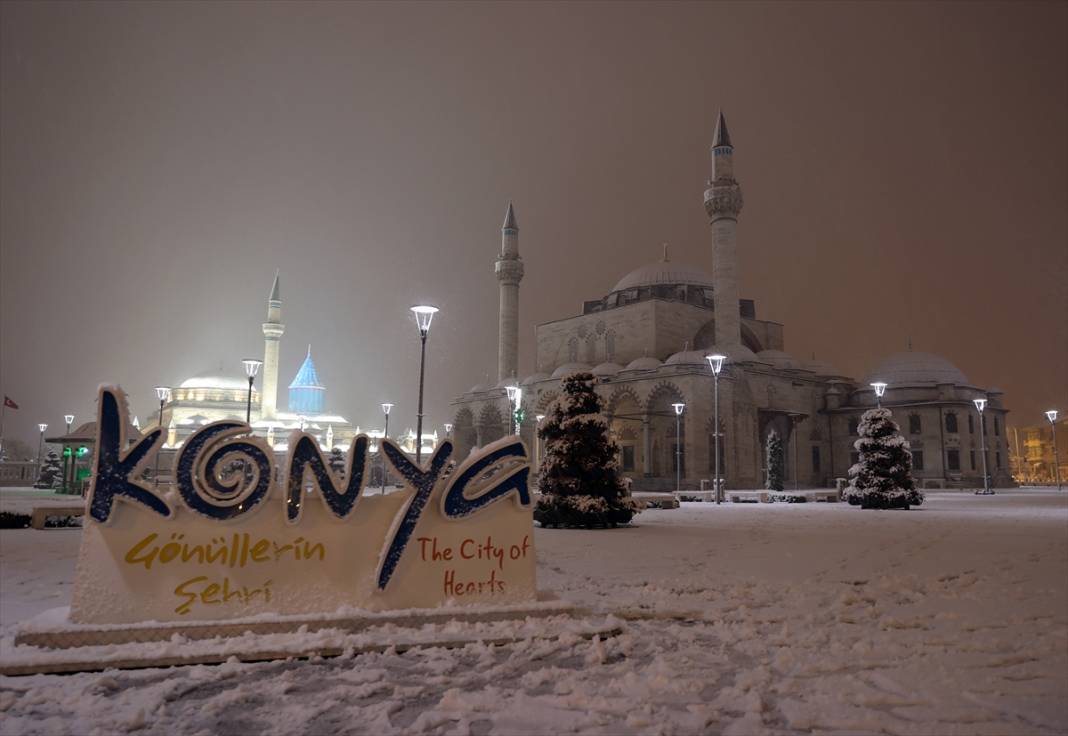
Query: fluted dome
644	363
534	378
568	368
779	359
687	357
910	368
661	273
607	369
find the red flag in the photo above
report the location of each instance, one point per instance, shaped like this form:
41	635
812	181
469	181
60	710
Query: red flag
9	403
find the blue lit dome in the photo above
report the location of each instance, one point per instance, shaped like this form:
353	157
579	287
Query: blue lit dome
307	394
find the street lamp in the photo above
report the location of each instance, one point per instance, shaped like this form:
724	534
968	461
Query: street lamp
67	456
40	443
678	407
1051	415
715	362
424	315
252	367
880	389
381	452
980	405
515	396
162	393
448	430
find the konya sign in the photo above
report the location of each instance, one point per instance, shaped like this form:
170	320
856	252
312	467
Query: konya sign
220	546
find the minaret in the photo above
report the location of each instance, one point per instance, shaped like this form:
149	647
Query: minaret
272	334
509	274
723	202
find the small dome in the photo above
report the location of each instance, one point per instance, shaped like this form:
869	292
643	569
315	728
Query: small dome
217	382
504	383
779	359
736	354
568	368
477	389
534	378
687	357
607	369
644	363
909	368
663	273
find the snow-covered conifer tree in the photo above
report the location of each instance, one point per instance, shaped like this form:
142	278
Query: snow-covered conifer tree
336	461
776	461
51	475
882	479
579	474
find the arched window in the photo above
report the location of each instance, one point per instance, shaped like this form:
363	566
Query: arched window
915	424
997	426
853	423
572	350
971	426
951	422
610	346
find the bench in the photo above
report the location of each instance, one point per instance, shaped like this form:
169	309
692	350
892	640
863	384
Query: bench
747	496
41	513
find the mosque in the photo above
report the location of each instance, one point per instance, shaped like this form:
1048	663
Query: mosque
646	342
204	399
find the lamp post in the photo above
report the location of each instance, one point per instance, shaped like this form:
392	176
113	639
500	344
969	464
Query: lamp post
162	393
880	389
980	405
1051	415
515	396
68	455
537	440
381	453
40	443
448	431
252	367
678	407
424	315
715	362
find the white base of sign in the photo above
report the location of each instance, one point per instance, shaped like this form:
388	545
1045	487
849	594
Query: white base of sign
293	638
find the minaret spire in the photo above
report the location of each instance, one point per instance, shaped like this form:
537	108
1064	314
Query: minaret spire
723	204
509	269
272	335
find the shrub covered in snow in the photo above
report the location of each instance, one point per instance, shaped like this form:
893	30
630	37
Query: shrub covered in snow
776	461
579	474
336	461
51	475
882	479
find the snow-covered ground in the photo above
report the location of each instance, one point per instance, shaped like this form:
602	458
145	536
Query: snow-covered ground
743	619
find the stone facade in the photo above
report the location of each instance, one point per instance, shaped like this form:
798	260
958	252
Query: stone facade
647	339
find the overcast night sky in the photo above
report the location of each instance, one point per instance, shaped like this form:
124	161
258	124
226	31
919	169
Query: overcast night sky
904	166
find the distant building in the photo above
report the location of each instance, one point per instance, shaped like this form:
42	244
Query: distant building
1034	458
646	341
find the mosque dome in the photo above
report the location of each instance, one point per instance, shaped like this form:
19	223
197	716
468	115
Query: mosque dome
910	368
568	368
662	273
534	378
736	354
779	359
607	369
215	382
820	368
477	388
688	357
644	363
307	394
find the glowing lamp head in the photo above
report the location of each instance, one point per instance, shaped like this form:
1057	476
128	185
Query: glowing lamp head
424	315
43	427
448	427
678	408
69	419
515	394
715	362
252	366
163	393
1051	415
386	408
980	404
880	388
539	417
